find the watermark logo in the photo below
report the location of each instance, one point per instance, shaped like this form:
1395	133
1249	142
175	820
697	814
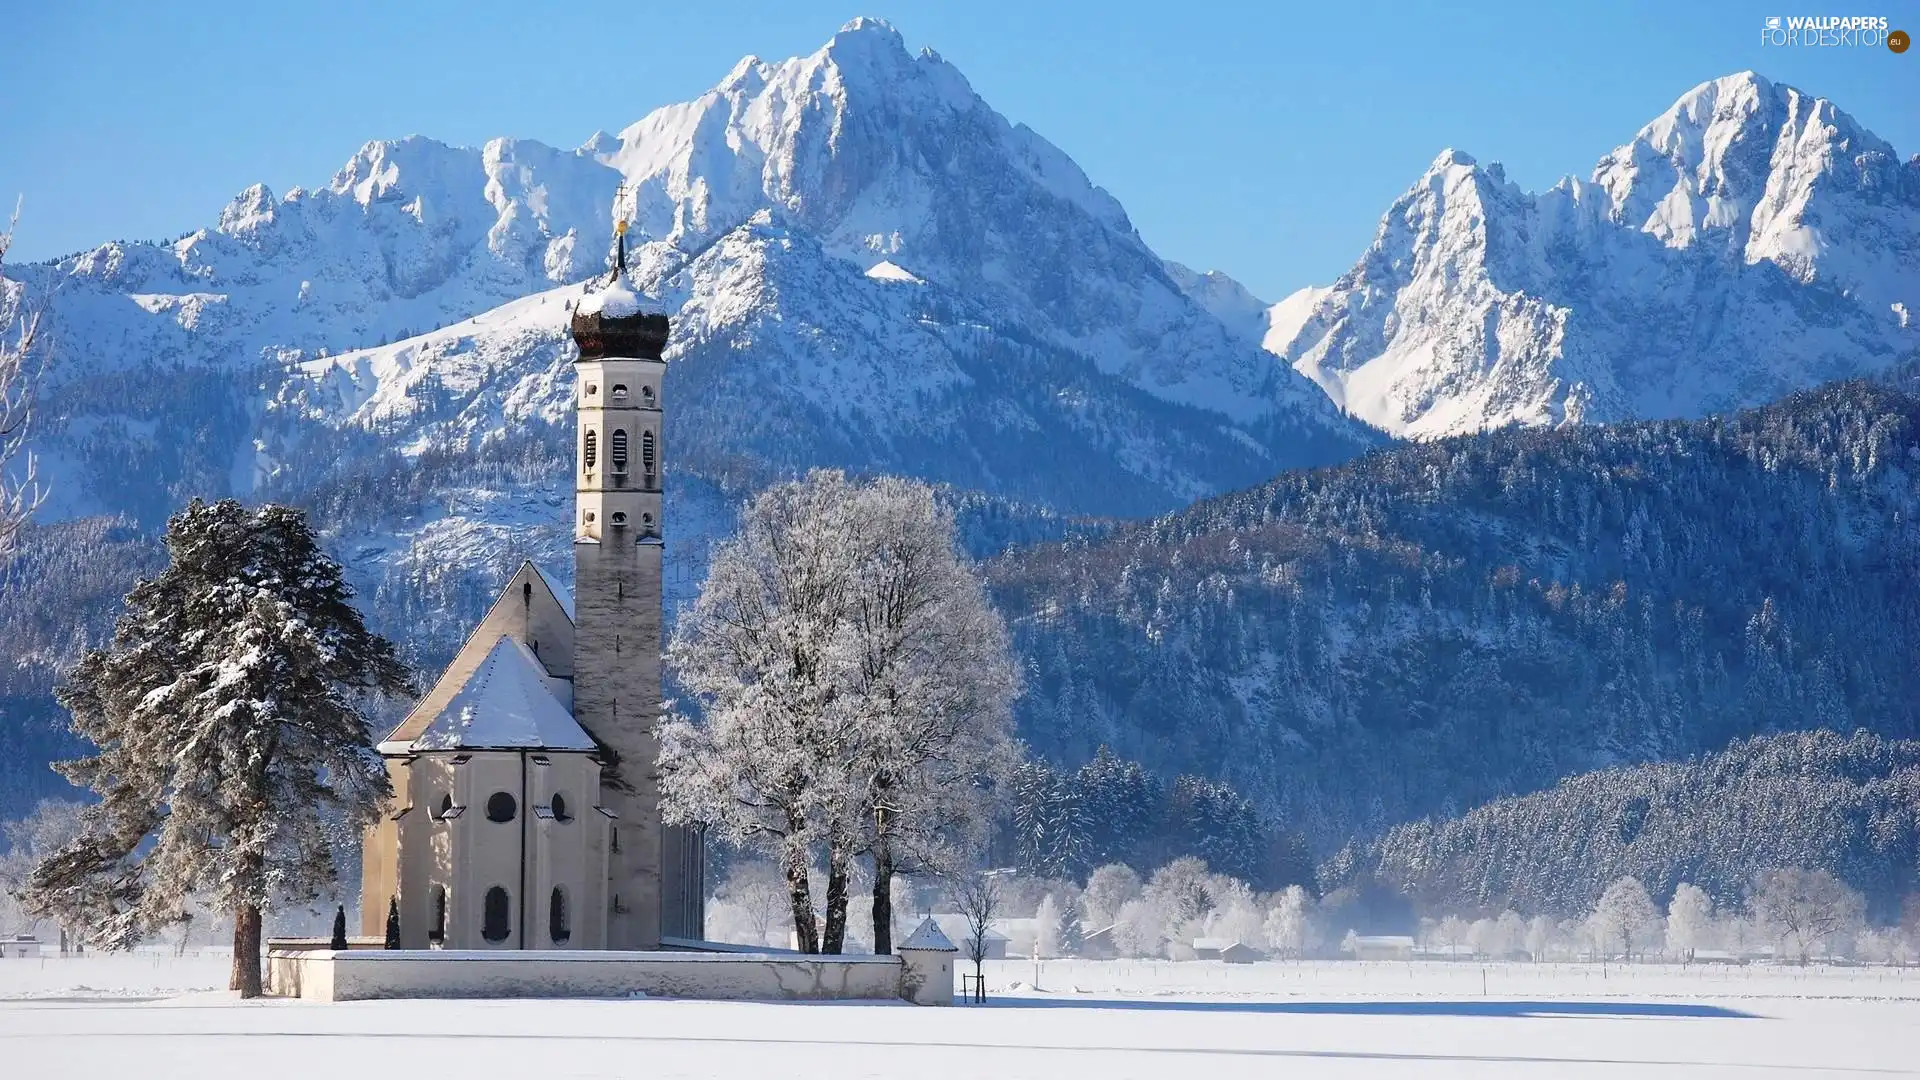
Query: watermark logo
1832	32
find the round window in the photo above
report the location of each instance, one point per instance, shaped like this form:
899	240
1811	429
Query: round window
501	807
560	809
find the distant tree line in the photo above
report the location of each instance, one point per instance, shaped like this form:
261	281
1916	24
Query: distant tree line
1063	823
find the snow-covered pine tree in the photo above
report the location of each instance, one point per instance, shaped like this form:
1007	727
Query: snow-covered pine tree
1068	936
1121	802
231	726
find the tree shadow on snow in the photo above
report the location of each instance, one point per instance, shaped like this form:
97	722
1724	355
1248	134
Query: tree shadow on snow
1493	1007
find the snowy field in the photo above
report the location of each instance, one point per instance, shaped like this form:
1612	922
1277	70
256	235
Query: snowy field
152	1016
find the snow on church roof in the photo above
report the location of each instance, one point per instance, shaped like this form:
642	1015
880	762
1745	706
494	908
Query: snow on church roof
565	596
504	704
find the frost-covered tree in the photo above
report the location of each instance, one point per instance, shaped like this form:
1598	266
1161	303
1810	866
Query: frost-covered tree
19	494
854	691
234	748
1689	921
1540	937
1453	932
51	826
1046	926
1108	890
930	693
1288	923
763	651
1805	910
1184	889
1141	928
1237	920
1498	937
758	891
1625	918
1068	937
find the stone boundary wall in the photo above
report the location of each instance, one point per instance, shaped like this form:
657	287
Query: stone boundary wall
324	975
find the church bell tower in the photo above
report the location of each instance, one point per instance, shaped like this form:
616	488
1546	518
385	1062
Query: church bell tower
655	886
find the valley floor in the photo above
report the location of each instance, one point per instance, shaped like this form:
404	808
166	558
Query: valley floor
151	1016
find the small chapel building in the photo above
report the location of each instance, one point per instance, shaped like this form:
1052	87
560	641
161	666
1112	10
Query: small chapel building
526	790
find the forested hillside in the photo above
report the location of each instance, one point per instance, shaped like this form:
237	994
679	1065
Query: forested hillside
1814	800
1436	625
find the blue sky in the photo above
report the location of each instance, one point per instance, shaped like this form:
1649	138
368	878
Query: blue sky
1260	139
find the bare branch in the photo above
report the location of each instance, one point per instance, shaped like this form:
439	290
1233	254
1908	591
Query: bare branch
20	491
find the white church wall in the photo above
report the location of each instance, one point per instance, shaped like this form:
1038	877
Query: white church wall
356	976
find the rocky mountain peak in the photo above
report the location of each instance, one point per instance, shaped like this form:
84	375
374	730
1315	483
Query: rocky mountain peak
1750	240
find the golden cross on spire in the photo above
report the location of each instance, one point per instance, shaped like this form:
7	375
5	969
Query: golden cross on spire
622	210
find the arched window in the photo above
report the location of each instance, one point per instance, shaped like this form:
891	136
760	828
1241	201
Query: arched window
646	395
619	450
437	932
446	806
559	806
620	392
646	452
557	927
494	924
593	449
501	807
646	524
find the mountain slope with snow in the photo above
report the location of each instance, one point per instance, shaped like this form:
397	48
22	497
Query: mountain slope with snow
854	237
867	267
1750	241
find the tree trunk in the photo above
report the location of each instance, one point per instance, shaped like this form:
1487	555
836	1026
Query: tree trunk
246	951
793	862
882	896
834	939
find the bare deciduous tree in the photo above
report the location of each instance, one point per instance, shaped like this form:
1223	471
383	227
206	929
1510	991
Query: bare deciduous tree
976	897
1805	909
19	327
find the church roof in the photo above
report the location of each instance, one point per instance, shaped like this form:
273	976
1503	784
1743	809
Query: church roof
507	703
565	596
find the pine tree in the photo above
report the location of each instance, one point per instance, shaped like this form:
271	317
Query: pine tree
393	923
339	942
230	720
1069	938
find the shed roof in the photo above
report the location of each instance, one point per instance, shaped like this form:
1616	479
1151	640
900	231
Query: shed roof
928	936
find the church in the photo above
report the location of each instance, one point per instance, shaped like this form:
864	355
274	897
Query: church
526	789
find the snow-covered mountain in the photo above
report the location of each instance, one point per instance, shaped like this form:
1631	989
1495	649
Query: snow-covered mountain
871	268
868	267
1750	241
